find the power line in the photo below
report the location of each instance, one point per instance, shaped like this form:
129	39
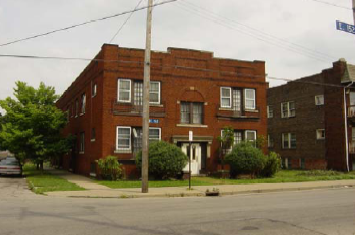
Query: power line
262	33
155	65
332	4
84	23
253	35
124	23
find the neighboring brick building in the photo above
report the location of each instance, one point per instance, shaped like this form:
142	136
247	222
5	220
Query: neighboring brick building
307	120
190	90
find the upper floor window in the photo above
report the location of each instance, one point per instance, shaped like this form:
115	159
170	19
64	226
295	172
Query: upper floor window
249	98
76	107
82	142
319	99
288	140
124	90
288	109
154	92
83	103
270	141
270	111
93	134
226	97
250	136
94	90
191	113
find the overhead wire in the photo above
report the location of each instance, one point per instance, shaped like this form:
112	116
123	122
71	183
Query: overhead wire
228	25
84	23
332	4
170	67
125	22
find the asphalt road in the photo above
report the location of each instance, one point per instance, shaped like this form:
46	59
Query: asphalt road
301	213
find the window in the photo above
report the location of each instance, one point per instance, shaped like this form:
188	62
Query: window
238	137
82	142
76	107
93	134
154	93
124	90
270	111
249	98
250	136
288	141
83	103
94	90
226	97
270	141
319	99
123	138
154	135
68	113
191	113
320	134
288	109
302	163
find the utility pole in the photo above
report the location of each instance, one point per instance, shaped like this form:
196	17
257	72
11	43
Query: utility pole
145	138
354	10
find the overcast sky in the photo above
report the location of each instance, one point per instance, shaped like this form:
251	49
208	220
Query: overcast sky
250	30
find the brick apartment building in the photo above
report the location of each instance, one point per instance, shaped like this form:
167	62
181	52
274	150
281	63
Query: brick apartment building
190	90
310	125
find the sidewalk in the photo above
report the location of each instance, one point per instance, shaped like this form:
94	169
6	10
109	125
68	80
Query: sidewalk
95	190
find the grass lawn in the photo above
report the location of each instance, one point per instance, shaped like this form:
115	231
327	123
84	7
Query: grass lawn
281	176
45	182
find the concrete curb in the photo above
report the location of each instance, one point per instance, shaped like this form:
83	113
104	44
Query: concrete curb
202	194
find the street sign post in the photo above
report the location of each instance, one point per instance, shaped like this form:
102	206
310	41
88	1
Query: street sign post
191	137
345	27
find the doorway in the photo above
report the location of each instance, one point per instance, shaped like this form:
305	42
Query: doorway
195	155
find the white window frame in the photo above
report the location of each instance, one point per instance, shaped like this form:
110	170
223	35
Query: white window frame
76	107
245	99
268	111
130	138
246	135
94	90
288	109
318	96
155	128
230	97
319	136
83	104
289	140
130	90
159	92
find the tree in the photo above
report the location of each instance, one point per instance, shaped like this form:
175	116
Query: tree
226	142
30	128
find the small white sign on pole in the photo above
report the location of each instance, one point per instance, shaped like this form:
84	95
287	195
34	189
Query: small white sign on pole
191	136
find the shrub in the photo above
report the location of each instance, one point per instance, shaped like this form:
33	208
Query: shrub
272	165
245	159
165	160
110	168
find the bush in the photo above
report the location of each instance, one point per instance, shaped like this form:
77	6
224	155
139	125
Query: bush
245	159
272	165
110	168
165	160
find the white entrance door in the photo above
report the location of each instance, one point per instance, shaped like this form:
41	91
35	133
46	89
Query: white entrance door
195	158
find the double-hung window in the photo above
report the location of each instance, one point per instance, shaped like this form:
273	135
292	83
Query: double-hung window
76	107
288	109
288	140
249	99
154	135
319	99
123	138
94	90
82	142
154	92
124	90
83	103
250	136
226	97
191	113
270	111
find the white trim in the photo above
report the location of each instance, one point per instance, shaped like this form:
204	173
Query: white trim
94	90
245	98
191	125
118	90
319	137
230	97
315	98
159	92
130	138
155	128
268	111
288	109
246	134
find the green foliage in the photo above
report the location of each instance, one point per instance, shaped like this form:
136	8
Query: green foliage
165	160
245	159
30	128
260	141
272	165
227	138
320	173
110	168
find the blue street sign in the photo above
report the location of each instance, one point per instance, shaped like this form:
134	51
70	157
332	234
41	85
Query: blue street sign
345	27
155	121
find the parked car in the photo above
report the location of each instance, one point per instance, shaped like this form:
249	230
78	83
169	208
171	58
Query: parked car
10	166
